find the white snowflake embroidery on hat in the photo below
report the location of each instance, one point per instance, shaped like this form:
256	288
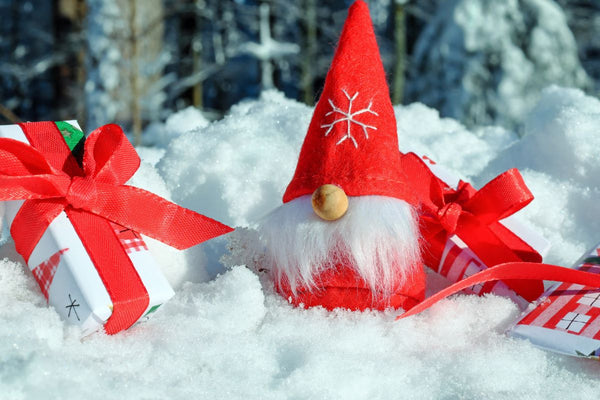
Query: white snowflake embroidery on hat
349	116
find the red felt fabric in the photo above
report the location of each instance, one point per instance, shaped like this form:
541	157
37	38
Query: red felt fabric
341	287
372	166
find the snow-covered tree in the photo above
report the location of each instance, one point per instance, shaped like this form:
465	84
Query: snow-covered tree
584	20
125	61
486	61
104	78
268	49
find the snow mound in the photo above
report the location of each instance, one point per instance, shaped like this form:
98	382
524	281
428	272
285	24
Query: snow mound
160	135
232	337
560	138
236	169
558	158
227	340
422	131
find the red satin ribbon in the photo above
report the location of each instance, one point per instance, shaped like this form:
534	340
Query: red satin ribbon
51	181
109	161
473	216
515	270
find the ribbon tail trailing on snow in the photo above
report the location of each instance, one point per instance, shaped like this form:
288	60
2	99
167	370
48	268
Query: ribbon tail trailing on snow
512	270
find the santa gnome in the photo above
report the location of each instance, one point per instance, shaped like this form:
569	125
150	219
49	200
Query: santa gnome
347	235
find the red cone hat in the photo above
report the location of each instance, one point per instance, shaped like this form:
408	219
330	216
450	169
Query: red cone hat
352	140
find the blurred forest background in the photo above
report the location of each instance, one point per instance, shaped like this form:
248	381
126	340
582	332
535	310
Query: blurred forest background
135	62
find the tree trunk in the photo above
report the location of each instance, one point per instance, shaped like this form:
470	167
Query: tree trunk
197	91
124	48
400	41
134	72
9	115
310	52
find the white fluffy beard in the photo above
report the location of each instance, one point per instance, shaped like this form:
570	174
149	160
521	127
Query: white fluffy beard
378	237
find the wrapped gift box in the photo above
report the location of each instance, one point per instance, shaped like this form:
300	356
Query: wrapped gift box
64	267
566	318
458	261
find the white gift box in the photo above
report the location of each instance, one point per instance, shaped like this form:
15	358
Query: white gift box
66	274
459	262
566	318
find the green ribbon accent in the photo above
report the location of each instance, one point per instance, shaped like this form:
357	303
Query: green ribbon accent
71	134
151	310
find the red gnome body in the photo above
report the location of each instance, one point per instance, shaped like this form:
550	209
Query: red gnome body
369	257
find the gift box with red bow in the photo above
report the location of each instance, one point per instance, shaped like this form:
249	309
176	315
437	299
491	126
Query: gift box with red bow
465	230
566	318
77	224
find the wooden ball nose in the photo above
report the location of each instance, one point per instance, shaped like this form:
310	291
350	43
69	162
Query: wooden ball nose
329	202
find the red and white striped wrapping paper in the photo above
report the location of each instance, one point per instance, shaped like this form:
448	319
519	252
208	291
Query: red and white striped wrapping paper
458	263
566	319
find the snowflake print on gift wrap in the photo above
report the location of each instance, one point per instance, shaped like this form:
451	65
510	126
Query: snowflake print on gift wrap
349	117
72	306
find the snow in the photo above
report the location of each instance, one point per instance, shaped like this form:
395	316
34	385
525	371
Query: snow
230	179
161	134
422	131
231	337
558	157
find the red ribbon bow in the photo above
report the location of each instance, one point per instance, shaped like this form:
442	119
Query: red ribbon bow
473	215
50	181
99	188
451	209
